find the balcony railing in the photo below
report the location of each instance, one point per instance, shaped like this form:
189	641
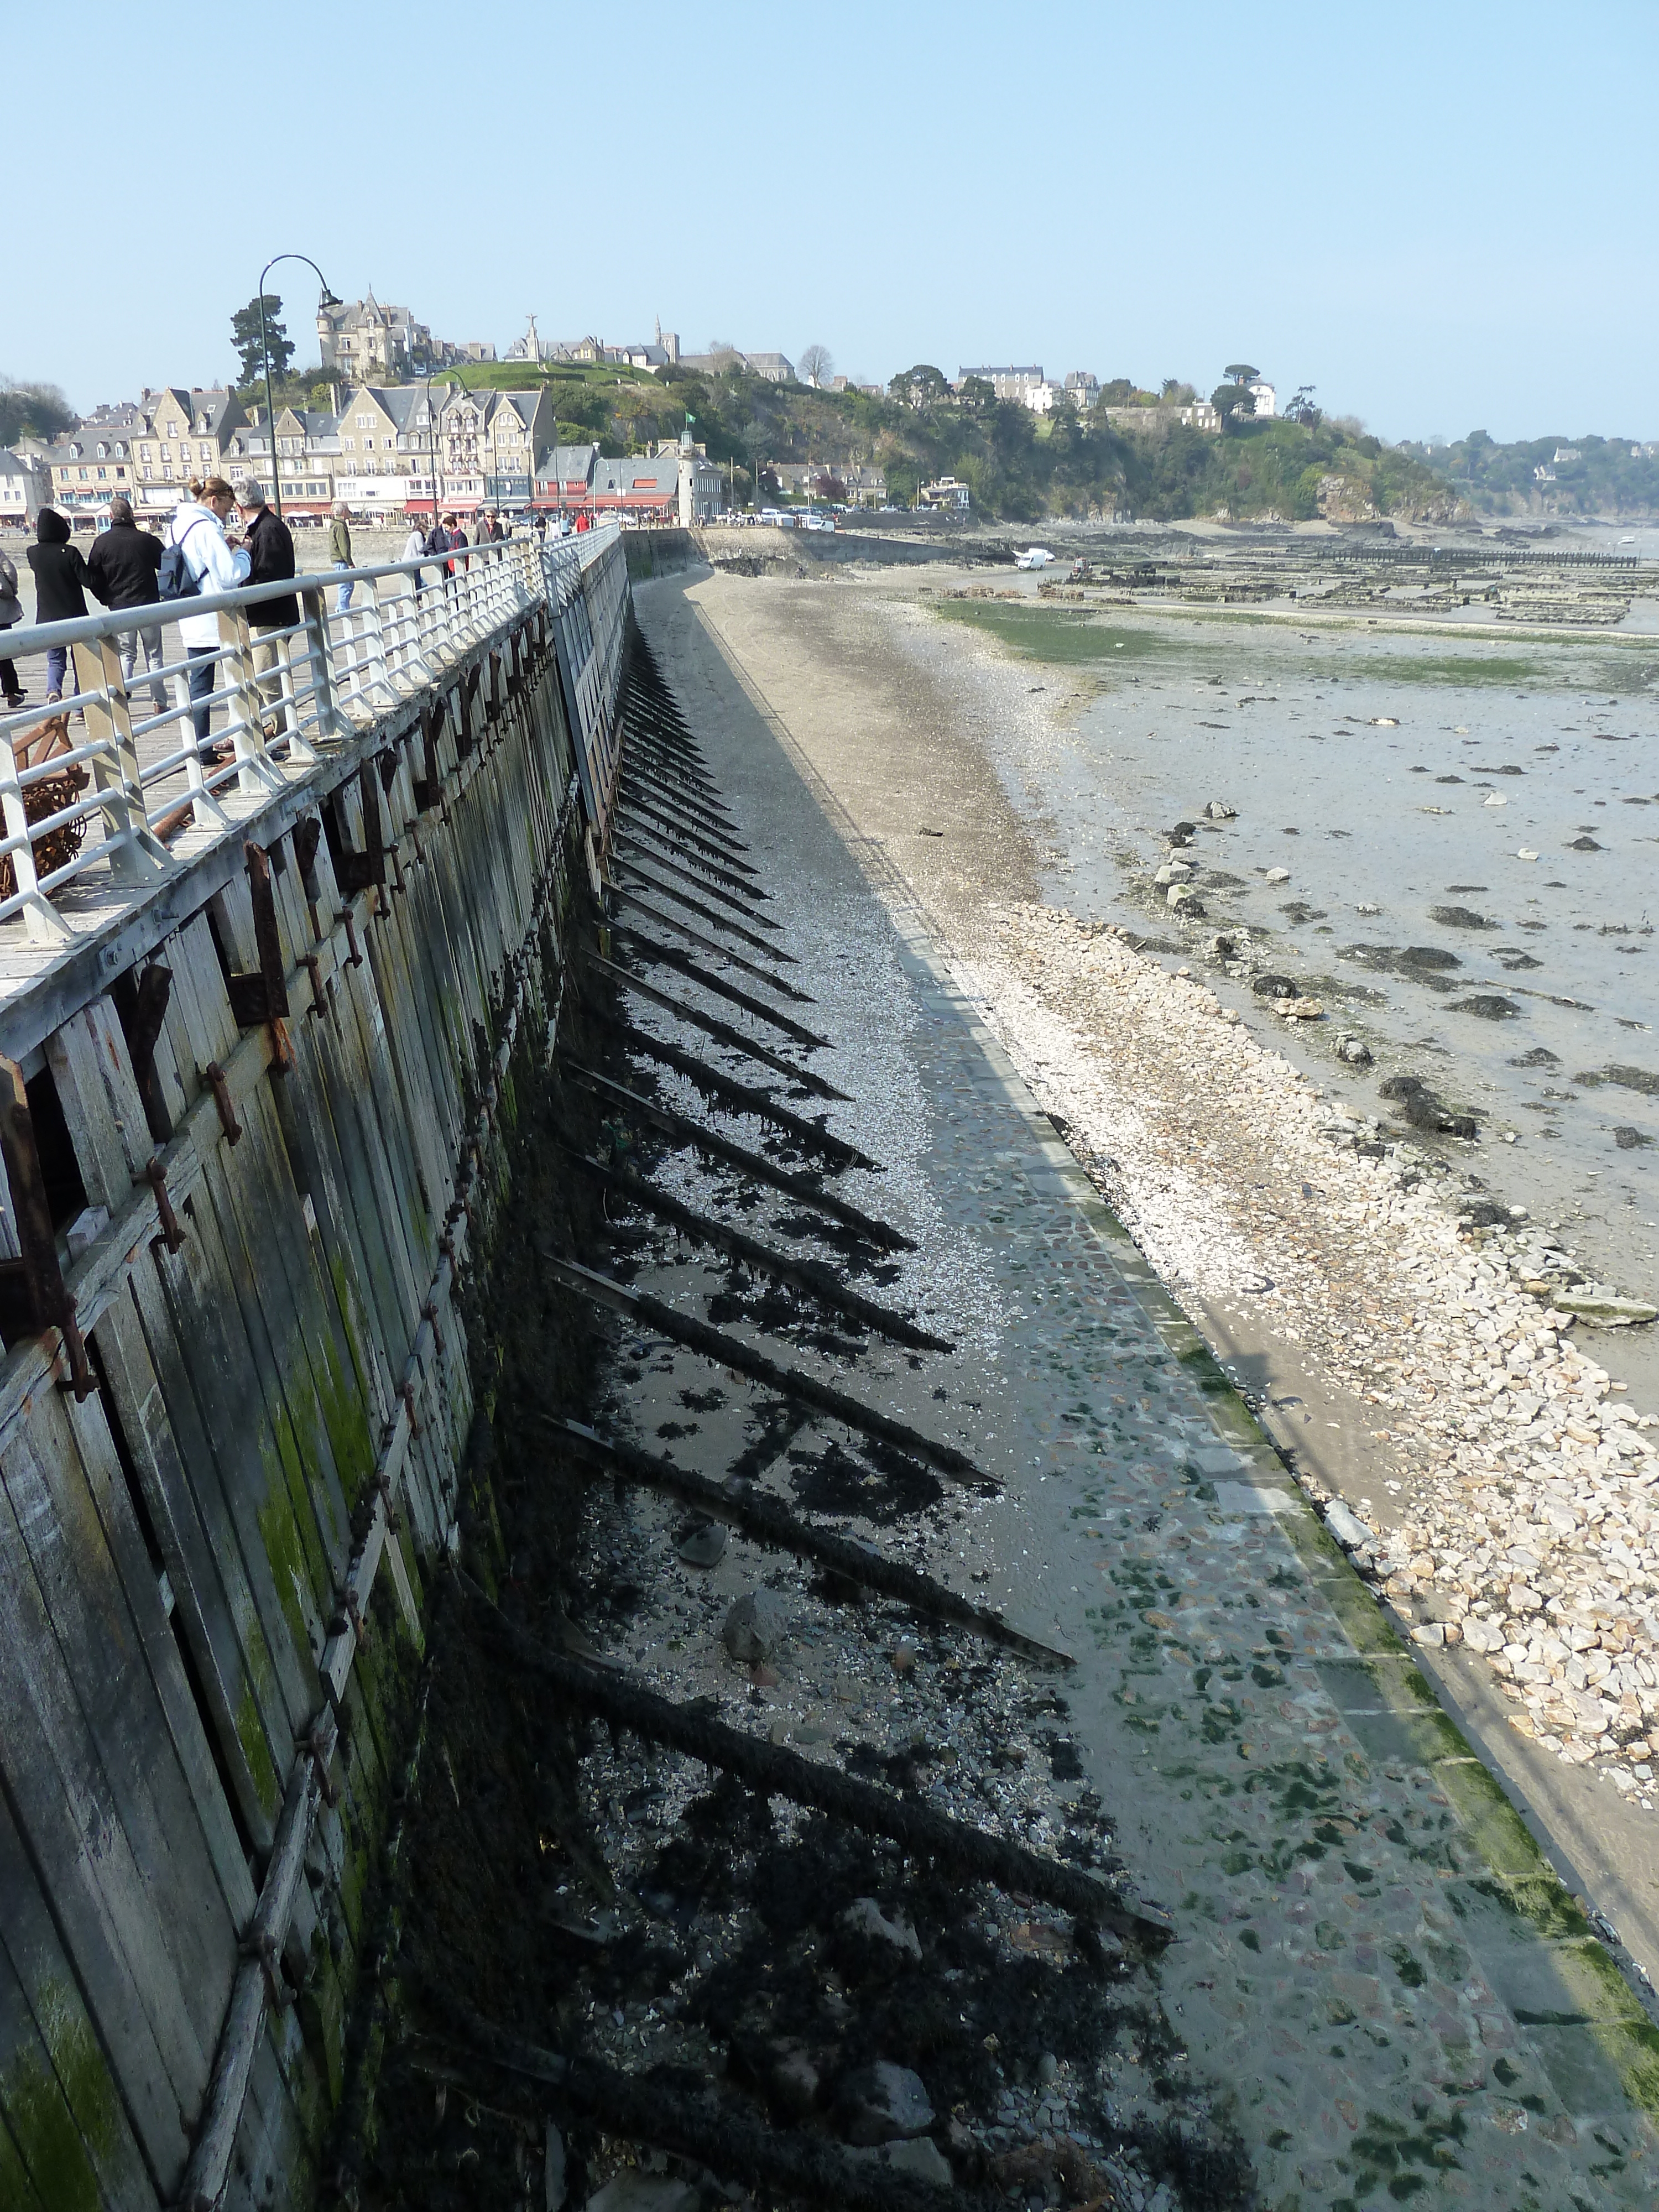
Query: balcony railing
105	810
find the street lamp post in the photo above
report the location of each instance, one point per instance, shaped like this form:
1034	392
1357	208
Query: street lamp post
328	299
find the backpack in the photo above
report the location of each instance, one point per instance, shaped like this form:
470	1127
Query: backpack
172	578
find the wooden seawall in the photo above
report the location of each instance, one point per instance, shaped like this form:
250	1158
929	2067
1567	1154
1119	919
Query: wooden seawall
244	1135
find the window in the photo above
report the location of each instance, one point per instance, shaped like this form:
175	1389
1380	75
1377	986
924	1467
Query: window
103	450
166	452
351	444
145	454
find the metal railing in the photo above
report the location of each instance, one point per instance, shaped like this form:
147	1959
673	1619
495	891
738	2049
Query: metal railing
234	721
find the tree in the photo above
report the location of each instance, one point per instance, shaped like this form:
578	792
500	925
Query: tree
1302	409
827	486
1230	401
33	410
922	387
245	336
1241	372
754	439
976	395
816	365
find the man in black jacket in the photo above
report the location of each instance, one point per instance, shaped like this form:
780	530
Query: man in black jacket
60	578
121	569
271	551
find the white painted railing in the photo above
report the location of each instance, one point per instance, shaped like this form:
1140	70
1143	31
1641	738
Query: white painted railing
108	800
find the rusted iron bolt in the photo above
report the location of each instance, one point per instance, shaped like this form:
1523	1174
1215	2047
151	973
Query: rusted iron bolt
220	1085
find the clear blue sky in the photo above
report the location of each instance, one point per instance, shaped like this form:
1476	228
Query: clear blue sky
1441	217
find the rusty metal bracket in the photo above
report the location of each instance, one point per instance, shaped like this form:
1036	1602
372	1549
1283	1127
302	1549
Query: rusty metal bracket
466	693
220	1085
407	1393
314	968
316	1746
156	1175
356	872
141	1006
354	957
307	836
397	883
31	1287
262	997
394	1520
430	1312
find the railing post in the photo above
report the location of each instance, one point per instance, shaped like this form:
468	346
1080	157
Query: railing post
257	774
44	925
134	856
314	600
378	676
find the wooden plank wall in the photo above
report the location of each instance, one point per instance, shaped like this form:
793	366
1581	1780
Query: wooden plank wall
175	1546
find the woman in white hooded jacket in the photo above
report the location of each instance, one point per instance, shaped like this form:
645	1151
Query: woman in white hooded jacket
199	525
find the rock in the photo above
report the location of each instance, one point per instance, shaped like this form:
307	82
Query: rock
1278	875
864	1917
1349	1530
1183	832
1274	987
1540	1056
755	1625
553	2181
1048	2069
1604	1310
1584	845
1628	1137
882	2103
643	2192
1299	1010
794	2077
1434	958
1184	899
1488	1006
1494	798
1173	872
1354	1050
1525	855
1460	917
922	2158
703	1544
1218	811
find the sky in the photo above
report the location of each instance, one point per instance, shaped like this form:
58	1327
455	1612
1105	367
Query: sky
1441	218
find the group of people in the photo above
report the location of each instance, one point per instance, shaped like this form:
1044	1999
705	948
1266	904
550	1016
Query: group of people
122	571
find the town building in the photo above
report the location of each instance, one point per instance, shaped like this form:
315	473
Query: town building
1082	388
860	484
25	489
366	339
308	443
1028	385
678	483
947	493
1161	416
773	367
1266	399
653	355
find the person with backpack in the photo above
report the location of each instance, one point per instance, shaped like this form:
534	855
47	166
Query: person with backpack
199	559
60	591
122	566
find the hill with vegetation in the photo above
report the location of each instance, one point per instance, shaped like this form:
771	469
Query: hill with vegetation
1548	475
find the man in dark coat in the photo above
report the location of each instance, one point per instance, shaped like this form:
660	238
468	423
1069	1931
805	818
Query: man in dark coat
271	552
121	568
60	582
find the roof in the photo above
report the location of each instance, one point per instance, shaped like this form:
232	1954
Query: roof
568	464
633	472
215	402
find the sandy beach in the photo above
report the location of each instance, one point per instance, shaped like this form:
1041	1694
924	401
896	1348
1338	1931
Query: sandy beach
1496	1465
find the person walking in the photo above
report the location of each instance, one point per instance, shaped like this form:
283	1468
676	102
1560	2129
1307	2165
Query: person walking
122	568
413	547
11	610
60	582
339	550
197	528
271	557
